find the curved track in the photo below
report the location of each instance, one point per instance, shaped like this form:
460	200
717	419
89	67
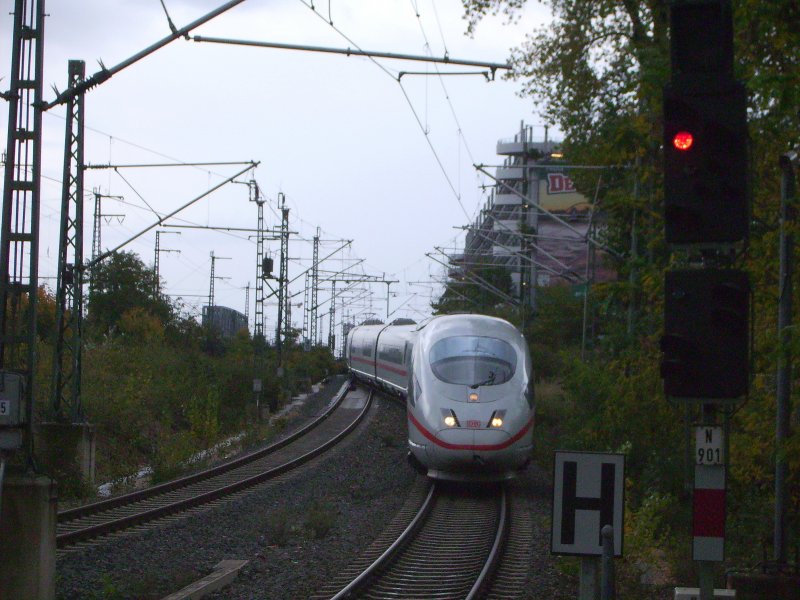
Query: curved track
449	550
91	521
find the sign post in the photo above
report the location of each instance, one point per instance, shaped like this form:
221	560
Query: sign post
588	493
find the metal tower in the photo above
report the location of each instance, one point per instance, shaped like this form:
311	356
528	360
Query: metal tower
247	304
157	261
306	311
211	285
258	325
214	260
97	231
314	291
66	390
332	321
98	219
284	320
19	237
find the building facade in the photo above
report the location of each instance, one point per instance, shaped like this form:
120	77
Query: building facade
226	321
535	223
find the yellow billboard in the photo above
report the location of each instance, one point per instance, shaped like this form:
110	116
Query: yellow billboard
557	194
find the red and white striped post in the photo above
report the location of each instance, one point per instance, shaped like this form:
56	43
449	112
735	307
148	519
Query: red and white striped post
708	503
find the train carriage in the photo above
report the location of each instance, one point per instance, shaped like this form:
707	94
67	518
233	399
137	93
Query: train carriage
468	383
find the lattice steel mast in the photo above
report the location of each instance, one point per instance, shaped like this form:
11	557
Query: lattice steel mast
98	225
306	311
66	390
258	324
314	290
157	261
283	292
19	237
332	320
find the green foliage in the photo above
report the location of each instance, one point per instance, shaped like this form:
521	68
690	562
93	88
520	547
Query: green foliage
122	283
556	327
596	72
203	415
279	527
155	387
320	519
468	295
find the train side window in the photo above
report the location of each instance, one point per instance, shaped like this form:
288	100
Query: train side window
391	354
413	388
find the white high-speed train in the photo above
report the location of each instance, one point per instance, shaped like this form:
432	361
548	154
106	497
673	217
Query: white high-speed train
468	384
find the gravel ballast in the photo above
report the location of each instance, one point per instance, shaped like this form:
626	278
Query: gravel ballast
296	532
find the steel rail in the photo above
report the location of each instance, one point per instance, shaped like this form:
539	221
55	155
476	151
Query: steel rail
496	552
102	505
125	522
368	582
391	551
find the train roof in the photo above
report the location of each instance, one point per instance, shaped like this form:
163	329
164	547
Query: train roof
467	322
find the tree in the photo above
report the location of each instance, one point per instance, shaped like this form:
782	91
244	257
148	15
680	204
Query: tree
597	72
463	294
123	283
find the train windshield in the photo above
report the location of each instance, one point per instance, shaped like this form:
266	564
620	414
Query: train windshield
473	360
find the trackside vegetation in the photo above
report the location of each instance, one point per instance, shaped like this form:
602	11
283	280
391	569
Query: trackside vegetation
157	386
596	72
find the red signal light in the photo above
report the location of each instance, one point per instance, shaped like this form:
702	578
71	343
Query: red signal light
683	140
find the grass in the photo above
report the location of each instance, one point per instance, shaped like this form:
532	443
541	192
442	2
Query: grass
320	519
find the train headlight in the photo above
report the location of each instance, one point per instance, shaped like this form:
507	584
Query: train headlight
449	417
496	420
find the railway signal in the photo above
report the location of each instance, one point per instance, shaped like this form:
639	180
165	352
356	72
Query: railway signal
706	212
705	343
706	197
705	165
706	207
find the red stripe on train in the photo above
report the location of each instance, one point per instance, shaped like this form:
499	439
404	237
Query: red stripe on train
382	365
447	445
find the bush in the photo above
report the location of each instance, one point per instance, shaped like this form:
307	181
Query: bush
320	519
279	528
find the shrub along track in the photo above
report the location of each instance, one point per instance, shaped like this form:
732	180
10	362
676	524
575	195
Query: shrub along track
99	519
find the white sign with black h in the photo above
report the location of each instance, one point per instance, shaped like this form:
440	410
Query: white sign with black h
588	493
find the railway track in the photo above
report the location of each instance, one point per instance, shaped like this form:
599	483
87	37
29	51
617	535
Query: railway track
99	519
450	549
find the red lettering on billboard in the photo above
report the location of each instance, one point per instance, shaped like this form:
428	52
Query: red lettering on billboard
558	183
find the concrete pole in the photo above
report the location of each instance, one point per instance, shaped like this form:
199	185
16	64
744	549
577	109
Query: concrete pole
28	538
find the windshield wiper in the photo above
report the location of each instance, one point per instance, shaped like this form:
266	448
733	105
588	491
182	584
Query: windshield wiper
490	381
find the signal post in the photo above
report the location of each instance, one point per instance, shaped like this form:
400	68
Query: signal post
706	342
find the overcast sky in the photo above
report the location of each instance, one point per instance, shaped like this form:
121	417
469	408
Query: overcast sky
337	135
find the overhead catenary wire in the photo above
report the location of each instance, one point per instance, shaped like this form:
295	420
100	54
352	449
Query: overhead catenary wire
459	129
112	138
408	101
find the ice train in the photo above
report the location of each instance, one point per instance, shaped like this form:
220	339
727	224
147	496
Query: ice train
468	384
